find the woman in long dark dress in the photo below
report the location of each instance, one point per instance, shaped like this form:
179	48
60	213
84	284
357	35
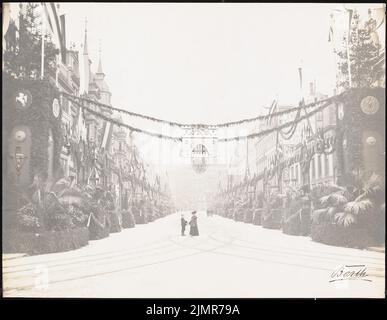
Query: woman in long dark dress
194	231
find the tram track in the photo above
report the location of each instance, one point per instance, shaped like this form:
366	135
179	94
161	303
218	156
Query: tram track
92	275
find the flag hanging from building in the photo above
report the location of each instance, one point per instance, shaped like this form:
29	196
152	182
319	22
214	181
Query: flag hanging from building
330	36
107	135
56	27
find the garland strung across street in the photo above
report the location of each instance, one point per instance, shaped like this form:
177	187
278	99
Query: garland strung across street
220	125
318	106
120	124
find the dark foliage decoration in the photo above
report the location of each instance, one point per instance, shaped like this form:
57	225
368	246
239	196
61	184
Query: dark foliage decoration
78	216
114	221
349	131
28	219
98	223
22	57
127	219
38	117
298	224
363	53
272	218
249	215
357	236
257	216
46	242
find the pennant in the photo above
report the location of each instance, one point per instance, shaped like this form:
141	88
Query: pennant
350	14
55	24
107	135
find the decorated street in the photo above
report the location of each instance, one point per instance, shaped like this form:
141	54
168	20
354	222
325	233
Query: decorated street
241	157
228	259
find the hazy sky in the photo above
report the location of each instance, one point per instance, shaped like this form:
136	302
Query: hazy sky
205	62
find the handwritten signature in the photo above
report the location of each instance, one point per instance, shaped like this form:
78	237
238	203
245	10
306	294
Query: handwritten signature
350	272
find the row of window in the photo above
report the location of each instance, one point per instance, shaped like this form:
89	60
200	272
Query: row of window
323	168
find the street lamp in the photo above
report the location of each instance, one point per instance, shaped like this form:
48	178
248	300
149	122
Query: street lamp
19	159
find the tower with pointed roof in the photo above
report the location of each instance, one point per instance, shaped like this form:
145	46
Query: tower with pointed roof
86	62
99	78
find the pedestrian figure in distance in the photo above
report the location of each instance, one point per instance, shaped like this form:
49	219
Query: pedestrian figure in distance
183	224
194	231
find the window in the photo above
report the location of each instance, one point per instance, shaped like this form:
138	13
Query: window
319	119
332	115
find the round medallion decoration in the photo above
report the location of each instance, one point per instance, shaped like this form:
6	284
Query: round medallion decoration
369	105
371	140
20	136
55	108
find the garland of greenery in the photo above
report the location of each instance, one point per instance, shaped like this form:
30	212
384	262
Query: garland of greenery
38	117
81	103
84	100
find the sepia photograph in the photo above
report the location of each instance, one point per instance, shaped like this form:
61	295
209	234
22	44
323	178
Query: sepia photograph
193	150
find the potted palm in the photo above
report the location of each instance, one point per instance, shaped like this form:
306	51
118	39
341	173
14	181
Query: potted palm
50	220
297	211
351	216
272	214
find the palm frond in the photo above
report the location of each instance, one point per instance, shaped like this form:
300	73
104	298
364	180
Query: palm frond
358	207
345	219
324	200
60	185
338	199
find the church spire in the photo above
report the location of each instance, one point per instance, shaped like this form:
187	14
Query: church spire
100	71
85	50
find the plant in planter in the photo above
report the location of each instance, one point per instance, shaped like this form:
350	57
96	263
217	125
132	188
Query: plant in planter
351	216
257	209
96	208
297	211
248	211
297	220
27	219
139	212
46	224
78	216
112	215
272	214
239	209
127	219
150	212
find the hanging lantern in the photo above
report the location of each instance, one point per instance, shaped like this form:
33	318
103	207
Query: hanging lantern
199	157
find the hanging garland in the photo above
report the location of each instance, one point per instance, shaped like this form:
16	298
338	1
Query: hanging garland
287	135
303	155
120	124
274	129
79	103
81	100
